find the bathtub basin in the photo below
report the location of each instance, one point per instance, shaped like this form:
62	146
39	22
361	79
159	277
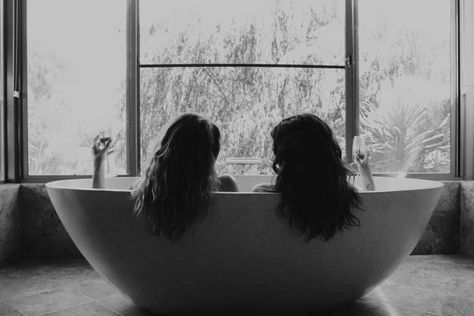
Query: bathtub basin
242	256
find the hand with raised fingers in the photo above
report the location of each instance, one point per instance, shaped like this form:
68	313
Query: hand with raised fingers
362	160
101	147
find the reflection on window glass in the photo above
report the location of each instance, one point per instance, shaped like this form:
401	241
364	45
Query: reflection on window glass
76	83
405	83
245	103
245	31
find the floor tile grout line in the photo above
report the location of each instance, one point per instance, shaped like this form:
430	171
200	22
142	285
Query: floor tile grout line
54	288
76	291
65	308
72	288
453	265
385	299
447	277
439	291
13	308
10	301
414	309
88	301
457	258
428	290
109	296
427	269
110	308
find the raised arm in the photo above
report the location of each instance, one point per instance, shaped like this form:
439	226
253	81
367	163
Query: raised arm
362	162
100	149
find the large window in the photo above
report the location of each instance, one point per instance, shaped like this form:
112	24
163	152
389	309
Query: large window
179	72
244	102
406	84
371	66
76	83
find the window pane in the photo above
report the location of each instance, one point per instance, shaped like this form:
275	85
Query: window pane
76	83
405	84
245	31
245	103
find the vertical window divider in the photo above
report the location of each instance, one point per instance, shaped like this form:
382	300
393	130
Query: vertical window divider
456	98
23	100
2	96
132	87
466	135
352	76
15	58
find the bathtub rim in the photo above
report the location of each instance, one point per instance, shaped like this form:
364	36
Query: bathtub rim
426	185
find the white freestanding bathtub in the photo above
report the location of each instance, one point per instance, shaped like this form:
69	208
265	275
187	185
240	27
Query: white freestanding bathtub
242	255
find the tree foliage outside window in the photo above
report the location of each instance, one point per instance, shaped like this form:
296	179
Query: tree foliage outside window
405	84
245	102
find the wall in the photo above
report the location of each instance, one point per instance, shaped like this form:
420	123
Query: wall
442	234
467	219
29	226
42	233
9	223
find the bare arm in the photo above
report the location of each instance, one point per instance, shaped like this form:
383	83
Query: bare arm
100	149
263	187
362	162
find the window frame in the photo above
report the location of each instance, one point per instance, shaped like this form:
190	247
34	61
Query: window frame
2	96
15	162
13	60
350	66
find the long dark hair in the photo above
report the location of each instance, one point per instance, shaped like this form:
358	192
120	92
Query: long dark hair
174	190
312	177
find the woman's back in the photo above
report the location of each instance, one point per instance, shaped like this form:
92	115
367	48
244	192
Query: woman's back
312	178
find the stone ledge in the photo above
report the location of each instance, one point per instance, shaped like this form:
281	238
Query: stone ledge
9	223
43	235
441	236
467	219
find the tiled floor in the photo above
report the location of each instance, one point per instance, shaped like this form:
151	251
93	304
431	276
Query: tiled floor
423	285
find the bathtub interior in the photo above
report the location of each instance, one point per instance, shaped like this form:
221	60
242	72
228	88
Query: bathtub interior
246	183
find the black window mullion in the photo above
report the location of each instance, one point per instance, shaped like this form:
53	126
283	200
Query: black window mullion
133	91
2	96
15	71
220	65
456	97
352	76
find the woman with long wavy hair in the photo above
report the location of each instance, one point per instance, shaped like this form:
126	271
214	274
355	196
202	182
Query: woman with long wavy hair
312	178
173	192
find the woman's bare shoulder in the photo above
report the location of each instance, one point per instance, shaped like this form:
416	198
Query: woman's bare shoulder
227	183
263	187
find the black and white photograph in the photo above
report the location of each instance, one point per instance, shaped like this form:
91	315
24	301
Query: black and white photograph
250	157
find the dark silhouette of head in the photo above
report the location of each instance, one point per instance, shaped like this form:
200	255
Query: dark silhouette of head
174	190
312	177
